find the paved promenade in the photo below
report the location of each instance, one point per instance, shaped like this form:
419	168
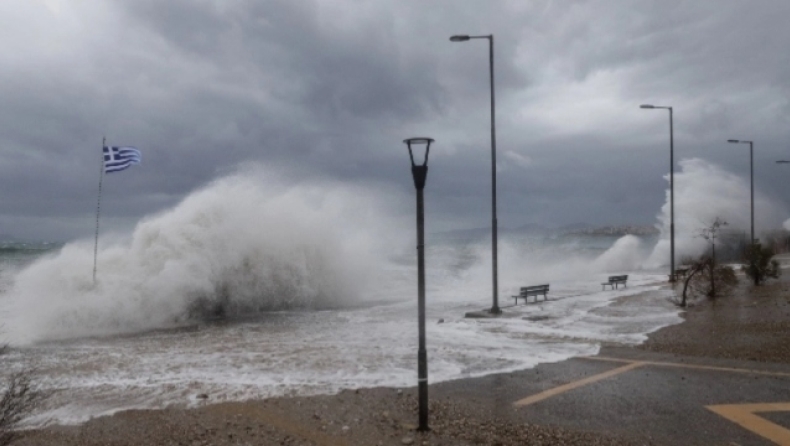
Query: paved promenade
644	396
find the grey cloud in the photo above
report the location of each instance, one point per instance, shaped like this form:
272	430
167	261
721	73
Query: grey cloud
329	89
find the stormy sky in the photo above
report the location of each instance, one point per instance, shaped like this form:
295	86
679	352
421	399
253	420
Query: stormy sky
329	89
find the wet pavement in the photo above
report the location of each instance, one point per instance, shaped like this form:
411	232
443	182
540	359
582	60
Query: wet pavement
658	398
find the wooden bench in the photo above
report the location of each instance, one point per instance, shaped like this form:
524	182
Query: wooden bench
614	281
535	290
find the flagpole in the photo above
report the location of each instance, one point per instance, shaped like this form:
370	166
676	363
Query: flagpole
98	208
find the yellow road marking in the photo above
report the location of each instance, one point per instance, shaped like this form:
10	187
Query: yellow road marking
575	384
744	415
690	366
741	414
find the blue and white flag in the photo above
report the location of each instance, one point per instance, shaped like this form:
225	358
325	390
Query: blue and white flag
117	159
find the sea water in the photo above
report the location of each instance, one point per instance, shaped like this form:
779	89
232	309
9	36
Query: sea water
250	289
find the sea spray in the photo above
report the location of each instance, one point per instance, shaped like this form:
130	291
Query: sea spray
627	254
243	244
255	242
240	245
703	192
526	259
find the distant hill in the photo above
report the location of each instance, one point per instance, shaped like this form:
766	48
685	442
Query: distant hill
531	228
574	229
616	230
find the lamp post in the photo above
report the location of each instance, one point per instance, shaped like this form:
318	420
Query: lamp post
419	173
751	179
671	189
463	38
787	245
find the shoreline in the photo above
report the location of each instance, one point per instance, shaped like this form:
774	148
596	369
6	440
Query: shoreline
540	342
749	325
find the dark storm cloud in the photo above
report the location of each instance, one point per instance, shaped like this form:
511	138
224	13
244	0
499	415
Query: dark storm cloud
329	89
303	54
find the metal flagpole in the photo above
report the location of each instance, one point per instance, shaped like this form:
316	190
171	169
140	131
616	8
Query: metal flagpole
98	208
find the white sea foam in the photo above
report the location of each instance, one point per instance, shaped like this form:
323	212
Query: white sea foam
241	244
302	353
337	294
704	192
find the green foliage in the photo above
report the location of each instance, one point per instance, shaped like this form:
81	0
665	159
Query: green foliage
760	265
711	280
725	279
705	278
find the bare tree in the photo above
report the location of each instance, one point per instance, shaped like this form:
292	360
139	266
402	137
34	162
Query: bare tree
709	233
694	266
704	275
18	399
19	396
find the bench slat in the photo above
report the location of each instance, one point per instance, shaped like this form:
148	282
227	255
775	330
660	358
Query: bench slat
614	281
534	290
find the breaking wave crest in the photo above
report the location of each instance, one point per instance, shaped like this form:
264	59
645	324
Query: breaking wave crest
239	245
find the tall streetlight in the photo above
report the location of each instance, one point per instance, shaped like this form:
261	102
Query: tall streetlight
785	162
419	173
671	190
463	38
751	175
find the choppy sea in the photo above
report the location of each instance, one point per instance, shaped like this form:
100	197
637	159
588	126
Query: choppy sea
219	298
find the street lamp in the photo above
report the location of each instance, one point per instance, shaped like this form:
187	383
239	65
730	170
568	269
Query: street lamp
671	190
751	175
463	38
419	173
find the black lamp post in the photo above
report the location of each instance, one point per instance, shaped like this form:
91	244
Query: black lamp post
463	38
751	179
419	173
671	190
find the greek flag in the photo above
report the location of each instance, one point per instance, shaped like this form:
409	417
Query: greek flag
117	159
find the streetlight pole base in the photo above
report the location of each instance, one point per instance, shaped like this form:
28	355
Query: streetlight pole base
483	314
